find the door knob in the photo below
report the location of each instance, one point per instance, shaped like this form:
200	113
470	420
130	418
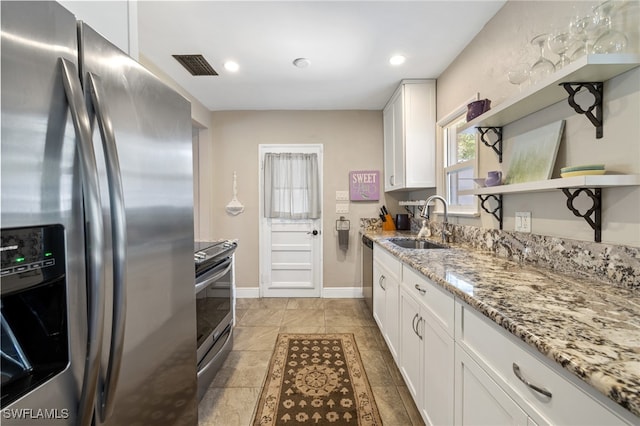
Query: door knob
314	232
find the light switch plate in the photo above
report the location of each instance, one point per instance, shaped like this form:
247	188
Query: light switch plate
342	208
342	195
523	221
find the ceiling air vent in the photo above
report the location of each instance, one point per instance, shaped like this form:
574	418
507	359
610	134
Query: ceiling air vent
195	64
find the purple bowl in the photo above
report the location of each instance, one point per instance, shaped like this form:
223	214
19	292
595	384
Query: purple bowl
477	108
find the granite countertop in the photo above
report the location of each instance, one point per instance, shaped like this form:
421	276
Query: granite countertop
590	329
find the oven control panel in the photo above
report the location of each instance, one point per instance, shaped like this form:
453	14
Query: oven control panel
211	250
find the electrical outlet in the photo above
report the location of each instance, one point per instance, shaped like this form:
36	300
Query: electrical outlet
342	208
523	221
342	195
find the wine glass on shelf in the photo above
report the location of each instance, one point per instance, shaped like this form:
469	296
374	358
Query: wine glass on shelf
518	74
542	66
610	40
585	30
560	43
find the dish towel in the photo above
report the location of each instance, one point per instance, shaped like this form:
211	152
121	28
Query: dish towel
343	239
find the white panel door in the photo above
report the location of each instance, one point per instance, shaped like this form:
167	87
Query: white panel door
290	250
292	268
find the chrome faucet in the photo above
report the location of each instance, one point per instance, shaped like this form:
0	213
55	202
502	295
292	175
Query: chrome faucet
425	214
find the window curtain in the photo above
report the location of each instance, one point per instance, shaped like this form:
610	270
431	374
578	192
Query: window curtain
291	188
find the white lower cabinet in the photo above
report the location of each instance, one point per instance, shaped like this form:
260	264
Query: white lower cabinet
379	297
461	368
411	352
426	353
391	333
438	376
386	282
542	390
479	400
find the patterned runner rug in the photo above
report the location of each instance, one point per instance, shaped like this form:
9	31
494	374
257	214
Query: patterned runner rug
316	379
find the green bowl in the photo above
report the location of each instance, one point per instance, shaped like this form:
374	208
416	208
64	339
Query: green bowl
581	168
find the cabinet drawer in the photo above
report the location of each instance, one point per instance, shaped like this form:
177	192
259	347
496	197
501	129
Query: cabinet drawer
388	261
438	301
499	351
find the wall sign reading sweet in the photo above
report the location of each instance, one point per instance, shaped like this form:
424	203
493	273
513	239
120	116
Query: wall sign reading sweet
364	185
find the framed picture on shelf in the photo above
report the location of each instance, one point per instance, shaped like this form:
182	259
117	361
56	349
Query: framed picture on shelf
531	156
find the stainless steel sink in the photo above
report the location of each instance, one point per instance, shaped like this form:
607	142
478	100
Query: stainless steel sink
415	244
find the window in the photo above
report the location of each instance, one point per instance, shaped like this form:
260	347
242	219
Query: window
460	163
291	185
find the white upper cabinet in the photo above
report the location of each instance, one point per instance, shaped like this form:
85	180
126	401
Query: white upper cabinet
117	21
409	120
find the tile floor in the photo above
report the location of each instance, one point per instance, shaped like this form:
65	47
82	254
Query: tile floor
233	395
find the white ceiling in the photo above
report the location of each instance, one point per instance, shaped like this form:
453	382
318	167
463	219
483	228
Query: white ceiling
349	44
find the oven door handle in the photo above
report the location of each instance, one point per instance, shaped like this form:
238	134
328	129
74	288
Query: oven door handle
214	353
214	275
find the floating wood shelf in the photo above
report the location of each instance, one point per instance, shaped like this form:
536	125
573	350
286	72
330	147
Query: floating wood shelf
589	72
589	181
572	187
589	68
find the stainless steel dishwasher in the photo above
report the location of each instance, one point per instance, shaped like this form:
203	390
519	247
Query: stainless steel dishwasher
367	271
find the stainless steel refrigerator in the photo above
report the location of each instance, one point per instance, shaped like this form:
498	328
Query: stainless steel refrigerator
98	304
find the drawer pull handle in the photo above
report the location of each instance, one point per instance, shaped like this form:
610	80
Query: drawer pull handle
516	371
421	290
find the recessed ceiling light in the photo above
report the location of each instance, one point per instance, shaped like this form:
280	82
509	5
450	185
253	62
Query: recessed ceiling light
231	66
301	62
397	60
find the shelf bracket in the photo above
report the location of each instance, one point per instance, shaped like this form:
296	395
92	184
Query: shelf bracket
497	145
594	112
593	215
495	212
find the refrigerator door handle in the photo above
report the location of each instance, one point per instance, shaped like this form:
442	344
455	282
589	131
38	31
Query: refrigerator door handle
95	239
119	238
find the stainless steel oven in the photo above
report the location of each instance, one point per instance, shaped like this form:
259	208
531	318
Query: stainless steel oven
214	307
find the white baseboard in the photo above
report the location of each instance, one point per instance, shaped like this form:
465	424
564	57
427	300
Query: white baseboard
342	293
247	292
327	292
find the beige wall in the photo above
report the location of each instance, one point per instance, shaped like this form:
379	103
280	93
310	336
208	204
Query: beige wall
482	67
352	140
